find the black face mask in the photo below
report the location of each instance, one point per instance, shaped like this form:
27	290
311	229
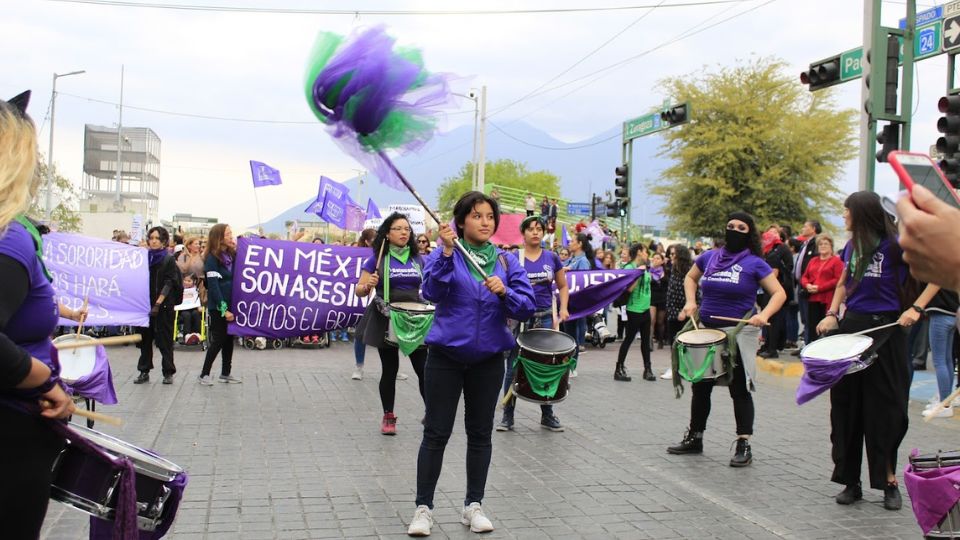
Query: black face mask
737	241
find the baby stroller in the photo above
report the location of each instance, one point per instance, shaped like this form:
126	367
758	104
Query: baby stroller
597	333
261	343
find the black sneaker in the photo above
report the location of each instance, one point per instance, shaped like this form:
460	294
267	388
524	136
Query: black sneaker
891	497
769	354
850	494
551	422
168	379
142	378
692	443
742	456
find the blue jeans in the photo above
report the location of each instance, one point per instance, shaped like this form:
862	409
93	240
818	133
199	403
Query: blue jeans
793	325
577	330
511	356
445	379
942	330
809	331
359	349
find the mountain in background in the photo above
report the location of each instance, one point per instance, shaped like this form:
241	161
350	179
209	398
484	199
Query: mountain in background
584	167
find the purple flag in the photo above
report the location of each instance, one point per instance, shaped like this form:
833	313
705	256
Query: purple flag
327	185
372	210
355	216
564	237
288	289
592	290
263	174
113	276
334	211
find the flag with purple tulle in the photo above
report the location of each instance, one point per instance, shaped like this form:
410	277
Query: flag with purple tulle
263	174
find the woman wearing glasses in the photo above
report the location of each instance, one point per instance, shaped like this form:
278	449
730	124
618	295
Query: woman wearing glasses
402	266
423	244
729	278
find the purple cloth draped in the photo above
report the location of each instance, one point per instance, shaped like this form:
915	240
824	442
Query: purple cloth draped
98	385
101	529
724	260
656	273
155	256
933	492
819	376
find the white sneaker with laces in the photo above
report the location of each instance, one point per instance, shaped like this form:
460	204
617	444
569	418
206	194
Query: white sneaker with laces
668	374
422	522
402	376
357	373
205	380
473	516
945	412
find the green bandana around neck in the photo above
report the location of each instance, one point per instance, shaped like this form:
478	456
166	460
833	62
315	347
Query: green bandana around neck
401	254
486	257
37	242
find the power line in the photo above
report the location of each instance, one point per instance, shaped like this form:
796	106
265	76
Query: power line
542	147
381	12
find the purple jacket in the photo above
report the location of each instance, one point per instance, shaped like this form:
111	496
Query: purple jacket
469	318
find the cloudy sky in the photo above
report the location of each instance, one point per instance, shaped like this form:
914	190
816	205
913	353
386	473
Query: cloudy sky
207	66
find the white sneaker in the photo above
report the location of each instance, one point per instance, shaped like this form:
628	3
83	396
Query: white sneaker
229	379
402	376
668	374
357	373
945	412
473	516
422	522
573	374
205	380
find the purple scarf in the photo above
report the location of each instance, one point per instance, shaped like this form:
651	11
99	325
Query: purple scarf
724	260
155	256
656	273
226	259
933	492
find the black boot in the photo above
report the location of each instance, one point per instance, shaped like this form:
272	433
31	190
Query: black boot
891	496
142	378
648	374
620	374
742	456
851	494
692	443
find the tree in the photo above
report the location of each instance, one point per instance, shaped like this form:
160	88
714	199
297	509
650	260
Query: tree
503	172
63	214
759	142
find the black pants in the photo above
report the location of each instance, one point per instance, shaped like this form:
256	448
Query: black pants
190	319
743	411
446	380
390	360
816	311
776	333
673	328
159	333
871	406
219	342
636	322
27	453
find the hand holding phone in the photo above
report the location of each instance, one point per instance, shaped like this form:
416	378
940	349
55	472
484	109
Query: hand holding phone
918	169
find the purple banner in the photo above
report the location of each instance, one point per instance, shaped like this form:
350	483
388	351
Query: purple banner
113	276
290	289
593	290
335	189
372	210
263	174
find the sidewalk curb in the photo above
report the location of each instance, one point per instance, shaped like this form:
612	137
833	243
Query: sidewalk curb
780	367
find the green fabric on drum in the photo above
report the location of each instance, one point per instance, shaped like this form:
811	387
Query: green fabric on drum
544	379
411	329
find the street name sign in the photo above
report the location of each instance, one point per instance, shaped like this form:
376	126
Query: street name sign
641	126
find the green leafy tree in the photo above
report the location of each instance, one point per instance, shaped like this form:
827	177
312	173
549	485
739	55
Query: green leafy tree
759	142
63	215
503	172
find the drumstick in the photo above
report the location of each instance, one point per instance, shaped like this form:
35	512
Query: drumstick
941	406
694	321
379	258
107	341
732	319
90	415
507	397
86	302
868	330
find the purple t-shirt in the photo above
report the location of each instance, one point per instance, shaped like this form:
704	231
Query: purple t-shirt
878	291
540	273
402	276
731	291
30	327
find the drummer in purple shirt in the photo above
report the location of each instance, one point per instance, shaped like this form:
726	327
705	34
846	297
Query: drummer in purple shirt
29	370
729	278
466	346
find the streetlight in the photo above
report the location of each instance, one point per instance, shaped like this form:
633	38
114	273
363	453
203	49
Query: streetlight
53	104
476	116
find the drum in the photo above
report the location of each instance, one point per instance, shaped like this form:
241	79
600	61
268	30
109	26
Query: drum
700	354
839	348
932	486
76	363
90	483
410	308
546	347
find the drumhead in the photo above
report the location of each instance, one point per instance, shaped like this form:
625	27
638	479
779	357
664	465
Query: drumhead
703	336
415	307
144	462
76	363
546	341
837	347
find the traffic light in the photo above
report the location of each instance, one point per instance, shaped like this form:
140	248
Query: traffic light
889	140
949	144
613	209
675	115
822	74
622	182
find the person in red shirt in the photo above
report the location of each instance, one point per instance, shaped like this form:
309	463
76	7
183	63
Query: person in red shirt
819	281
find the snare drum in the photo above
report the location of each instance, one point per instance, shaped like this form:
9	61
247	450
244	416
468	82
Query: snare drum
549	348
839	348
410	308
90	483
76	363
86	370
931	483
700	354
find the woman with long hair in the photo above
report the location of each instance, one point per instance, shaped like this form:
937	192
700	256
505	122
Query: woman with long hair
190	260
402	268
659	281
582	257
423	244
166	291
729	278
218	264
871	405
365	240
638	316
466	346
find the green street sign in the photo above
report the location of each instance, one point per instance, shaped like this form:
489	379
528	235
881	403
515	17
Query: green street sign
851	64
644	125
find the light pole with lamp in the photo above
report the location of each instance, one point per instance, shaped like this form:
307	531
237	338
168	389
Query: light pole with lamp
476	117
53	106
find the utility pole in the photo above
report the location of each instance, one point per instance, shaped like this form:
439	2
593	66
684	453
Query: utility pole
53	110
118	203
482	153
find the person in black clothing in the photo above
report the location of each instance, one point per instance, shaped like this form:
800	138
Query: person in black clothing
166	291
218	264
808	251
658	298
778	256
